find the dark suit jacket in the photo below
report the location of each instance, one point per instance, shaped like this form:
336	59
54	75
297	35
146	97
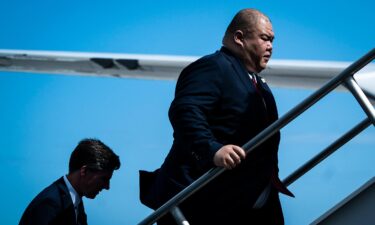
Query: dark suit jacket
53	206
215	104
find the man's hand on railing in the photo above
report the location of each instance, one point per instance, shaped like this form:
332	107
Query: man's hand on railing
229	156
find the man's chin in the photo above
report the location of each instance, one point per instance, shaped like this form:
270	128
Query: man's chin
263	65
260	68
92	196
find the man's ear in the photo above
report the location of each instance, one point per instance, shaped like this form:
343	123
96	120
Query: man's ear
83	171
238	37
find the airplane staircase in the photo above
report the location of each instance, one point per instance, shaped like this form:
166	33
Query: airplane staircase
357	208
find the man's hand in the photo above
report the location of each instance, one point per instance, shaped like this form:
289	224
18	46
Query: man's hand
229	156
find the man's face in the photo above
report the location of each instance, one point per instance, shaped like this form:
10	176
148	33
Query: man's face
95	181
258	46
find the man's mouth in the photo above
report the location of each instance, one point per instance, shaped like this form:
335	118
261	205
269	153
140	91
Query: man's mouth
267	57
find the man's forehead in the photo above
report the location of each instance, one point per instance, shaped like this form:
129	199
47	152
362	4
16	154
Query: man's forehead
264	25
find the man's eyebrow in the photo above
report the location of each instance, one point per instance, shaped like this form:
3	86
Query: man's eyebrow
272	37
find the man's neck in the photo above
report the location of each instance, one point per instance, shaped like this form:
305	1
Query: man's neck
73	179
240	55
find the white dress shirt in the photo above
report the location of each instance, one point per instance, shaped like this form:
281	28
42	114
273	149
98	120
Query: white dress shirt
76	199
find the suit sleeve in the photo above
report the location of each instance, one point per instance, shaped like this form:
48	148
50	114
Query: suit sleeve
197	97
42	214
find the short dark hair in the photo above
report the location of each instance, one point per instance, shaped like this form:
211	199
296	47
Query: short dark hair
95	155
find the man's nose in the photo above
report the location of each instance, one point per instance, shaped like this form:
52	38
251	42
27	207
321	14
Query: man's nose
269	45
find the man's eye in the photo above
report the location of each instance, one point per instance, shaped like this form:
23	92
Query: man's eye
266	38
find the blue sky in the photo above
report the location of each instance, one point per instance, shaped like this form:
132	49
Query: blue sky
43	117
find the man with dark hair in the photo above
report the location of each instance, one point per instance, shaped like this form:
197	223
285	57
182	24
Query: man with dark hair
91	167
221	103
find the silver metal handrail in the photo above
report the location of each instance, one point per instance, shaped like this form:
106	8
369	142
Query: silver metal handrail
327	152
262	136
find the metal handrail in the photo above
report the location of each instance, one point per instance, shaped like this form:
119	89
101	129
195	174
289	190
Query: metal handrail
262	136
361	98
326	152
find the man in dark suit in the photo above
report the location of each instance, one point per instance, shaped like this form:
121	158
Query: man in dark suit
221	103
91	167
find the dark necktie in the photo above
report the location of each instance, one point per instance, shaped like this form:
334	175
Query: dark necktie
255	82
81	215
259	92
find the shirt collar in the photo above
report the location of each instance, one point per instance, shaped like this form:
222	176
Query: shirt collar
253	76
76	199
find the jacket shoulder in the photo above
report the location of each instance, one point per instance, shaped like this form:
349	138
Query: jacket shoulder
208	64
219	58
45	205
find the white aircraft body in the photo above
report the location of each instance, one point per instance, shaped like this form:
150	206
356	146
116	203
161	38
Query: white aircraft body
281	73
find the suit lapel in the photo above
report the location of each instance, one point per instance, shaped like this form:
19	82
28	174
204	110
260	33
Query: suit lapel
268	97
239	69
243	76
